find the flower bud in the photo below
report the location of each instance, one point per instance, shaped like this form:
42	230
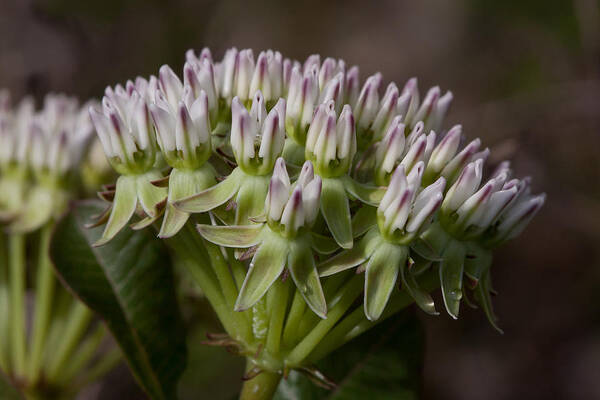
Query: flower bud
368	102
302	99
253	131
331	145
268	75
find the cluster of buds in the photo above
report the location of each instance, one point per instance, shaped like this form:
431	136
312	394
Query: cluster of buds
382	185
40	152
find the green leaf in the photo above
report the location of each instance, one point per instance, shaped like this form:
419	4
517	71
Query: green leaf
351	258
382	364
123	208
323	244
241	236
213	196
336	210
380	277
364	219
301	264
451	276
266	266
129	283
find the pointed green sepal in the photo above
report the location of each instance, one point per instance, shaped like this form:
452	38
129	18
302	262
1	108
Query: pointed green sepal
182	184
424	250
301	264
236	236
421	297
451	276
367	194
124	206
477	262
335	208
380	277
323	244
266	266
364	219
482	295
212	197
351	258
250	199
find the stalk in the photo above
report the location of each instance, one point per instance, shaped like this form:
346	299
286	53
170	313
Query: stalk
17	301
76	324
279	298
293	320
4	306
43	303
356	323
306	346
261	387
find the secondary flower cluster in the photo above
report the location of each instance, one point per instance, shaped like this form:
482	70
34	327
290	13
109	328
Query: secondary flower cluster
41	153
381	184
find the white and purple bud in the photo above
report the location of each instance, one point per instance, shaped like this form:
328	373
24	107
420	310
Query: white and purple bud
388	110
303	95
200	76
257	138
183	131
464	187
367	105
268	75
125	132
352	86
331	144
298	208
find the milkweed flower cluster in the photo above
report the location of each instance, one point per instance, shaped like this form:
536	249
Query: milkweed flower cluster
314	173
42	157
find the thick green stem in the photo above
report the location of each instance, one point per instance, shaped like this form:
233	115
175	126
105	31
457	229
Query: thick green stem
356	323
261	387
17	301
346	298
278	298
43	303
86	351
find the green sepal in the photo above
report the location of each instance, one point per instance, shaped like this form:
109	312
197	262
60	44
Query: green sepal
424	250
351	258
477	262
124	206
301	264
482	295
323	244
367	194
364	219
212	197
420	296
149	195
451	276
436	239
236	236
266	266
335	208
380	277
293	153
250	199
182	184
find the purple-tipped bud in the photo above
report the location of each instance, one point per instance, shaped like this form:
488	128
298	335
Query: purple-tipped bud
464	187
367	104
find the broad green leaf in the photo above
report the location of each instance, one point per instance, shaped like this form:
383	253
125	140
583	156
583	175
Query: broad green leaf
380	277
213	196
451	276
123	208
129	283
351	258
370	195
336	210
384	363
241	236
266	266
301	264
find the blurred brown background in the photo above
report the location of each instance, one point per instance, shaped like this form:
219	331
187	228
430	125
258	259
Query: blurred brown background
526	78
